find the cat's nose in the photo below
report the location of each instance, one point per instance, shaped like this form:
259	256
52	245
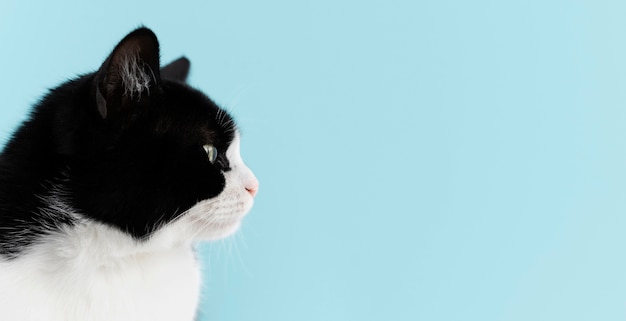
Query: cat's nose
252	186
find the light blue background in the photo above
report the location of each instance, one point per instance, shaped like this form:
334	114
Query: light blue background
418	160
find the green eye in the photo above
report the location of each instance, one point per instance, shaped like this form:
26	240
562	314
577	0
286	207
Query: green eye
211	152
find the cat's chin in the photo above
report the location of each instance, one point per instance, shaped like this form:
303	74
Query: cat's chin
186	231
224	231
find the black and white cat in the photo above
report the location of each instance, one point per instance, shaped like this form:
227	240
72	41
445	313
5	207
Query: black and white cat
104	189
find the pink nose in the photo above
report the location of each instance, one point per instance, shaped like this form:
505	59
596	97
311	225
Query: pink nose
252	187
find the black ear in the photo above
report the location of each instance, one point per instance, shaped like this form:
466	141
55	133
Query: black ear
130	74
177	70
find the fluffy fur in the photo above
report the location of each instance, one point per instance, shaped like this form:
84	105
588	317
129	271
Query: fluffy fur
106	187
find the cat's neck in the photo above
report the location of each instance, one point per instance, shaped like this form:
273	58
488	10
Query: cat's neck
105	246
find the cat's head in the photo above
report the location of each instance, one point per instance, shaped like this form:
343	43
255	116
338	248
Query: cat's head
145	151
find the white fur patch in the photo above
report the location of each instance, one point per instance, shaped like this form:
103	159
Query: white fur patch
134	77
94	272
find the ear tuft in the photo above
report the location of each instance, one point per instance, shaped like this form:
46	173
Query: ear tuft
136	77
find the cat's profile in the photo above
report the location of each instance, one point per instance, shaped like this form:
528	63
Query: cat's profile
106	186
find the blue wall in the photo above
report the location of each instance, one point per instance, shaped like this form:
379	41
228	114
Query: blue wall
418	160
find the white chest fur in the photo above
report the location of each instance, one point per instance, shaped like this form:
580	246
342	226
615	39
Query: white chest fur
93	272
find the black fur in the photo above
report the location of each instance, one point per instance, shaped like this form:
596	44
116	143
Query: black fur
134	161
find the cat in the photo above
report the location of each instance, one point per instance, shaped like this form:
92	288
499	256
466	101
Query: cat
107	185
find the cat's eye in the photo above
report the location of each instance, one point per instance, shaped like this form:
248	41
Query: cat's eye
211	152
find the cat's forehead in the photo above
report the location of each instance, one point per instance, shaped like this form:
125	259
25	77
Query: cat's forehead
191	111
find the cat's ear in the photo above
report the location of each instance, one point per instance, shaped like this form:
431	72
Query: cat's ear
177	70
130	74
